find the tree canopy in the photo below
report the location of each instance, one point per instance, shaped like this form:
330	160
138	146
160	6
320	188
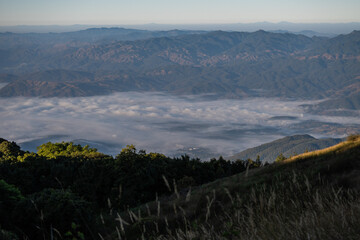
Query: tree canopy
65	183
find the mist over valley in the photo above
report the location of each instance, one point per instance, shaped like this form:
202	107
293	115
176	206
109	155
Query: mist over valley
159	122
202	93
179	119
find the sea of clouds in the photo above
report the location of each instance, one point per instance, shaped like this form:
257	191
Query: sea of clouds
154	121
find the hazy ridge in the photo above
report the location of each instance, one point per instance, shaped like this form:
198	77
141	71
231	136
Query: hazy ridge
231	64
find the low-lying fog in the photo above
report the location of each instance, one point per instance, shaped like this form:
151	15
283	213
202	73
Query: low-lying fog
2	85
160	122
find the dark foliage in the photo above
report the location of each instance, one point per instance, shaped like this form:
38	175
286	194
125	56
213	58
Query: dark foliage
66	183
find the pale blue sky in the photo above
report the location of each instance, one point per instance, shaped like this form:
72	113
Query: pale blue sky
67	12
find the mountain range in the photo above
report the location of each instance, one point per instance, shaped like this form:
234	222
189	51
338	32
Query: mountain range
321	29
231	64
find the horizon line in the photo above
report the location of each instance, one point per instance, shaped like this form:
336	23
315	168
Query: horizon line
189	24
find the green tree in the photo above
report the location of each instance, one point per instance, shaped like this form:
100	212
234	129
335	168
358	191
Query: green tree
280	158
9	150
67	149
128	150
10	196
53	208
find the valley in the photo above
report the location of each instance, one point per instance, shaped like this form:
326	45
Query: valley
164	123
206	90
179	120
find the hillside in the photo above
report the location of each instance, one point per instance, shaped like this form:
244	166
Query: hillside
73	184
288	146
68	190
301	198
340	46
231	64
351	102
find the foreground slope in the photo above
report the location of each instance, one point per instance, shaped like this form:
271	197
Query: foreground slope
68	190
65	184
312	196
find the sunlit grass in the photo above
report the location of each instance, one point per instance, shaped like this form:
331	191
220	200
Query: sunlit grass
352	142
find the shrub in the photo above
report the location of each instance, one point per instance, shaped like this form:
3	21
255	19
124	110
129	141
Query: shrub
52	209
353	137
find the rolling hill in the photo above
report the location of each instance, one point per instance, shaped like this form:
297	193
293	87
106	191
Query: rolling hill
301	197
351	102
288	146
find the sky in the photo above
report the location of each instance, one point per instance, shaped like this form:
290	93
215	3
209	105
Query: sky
100	12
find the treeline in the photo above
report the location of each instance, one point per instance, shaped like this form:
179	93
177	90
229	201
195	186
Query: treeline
64	190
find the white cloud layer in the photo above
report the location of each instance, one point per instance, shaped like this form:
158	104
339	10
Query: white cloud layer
154	121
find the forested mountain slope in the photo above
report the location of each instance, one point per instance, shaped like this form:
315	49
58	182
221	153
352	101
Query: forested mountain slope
301	197
232	64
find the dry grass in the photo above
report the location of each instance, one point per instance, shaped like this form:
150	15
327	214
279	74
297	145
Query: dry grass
280	201
294	211
332	149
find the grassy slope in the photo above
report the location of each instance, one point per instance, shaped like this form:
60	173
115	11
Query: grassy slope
311	196
288	146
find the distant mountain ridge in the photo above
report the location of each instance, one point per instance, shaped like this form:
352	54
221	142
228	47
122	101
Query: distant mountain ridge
329	28
308	33
83	37
232	64
288	146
